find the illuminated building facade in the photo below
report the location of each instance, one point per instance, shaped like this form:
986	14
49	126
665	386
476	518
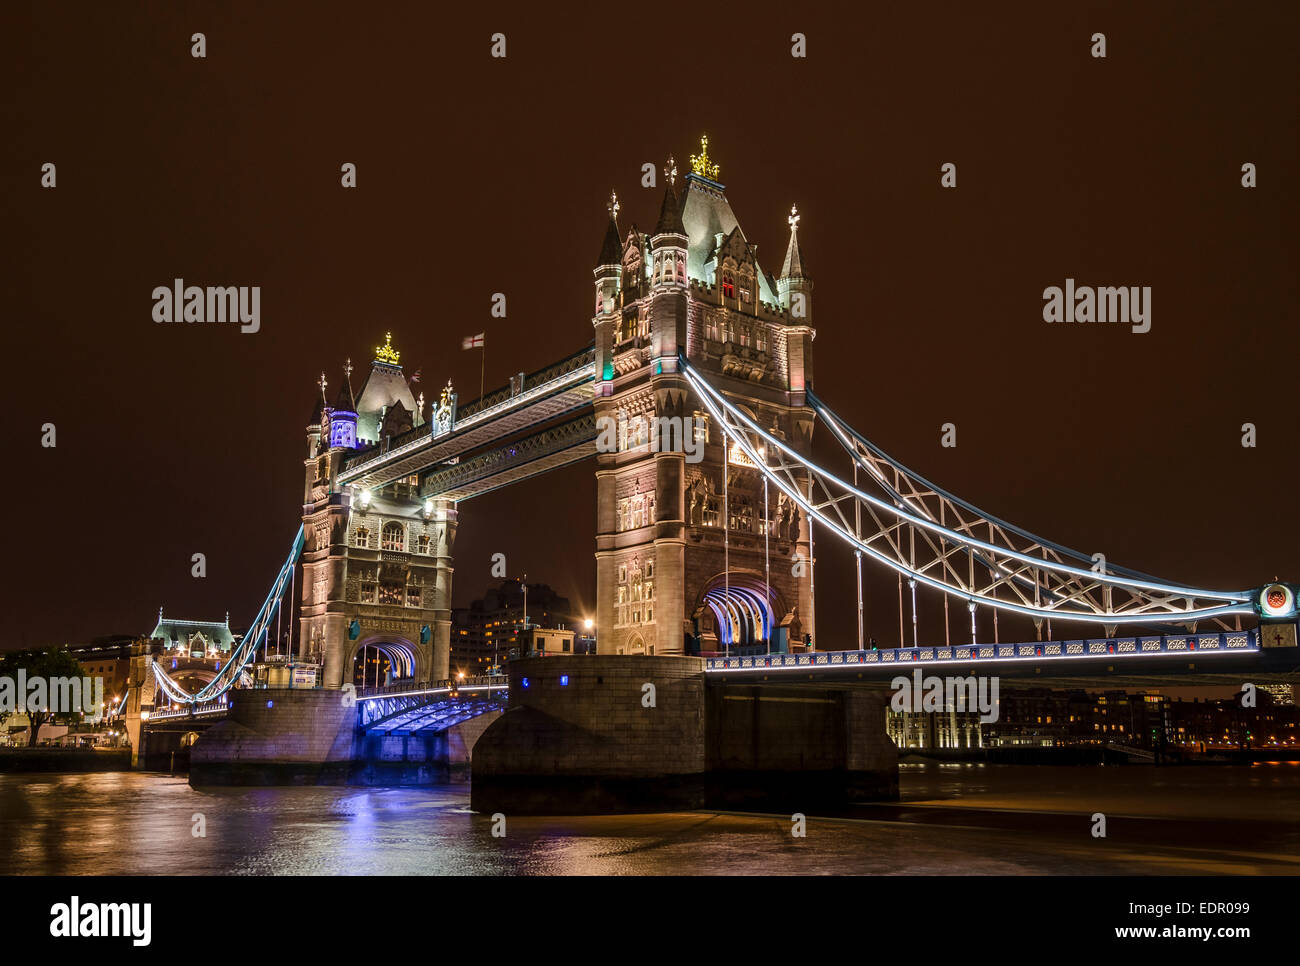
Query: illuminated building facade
376	563
691	554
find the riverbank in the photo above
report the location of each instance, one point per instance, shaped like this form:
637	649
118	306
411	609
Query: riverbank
72	760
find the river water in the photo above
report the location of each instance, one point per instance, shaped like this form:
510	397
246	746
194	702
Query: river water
954	819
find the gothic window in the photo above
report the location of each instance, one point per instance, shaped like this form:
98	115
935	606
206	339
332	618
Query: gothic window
649	569
412	596
422	544
363	537
760	338
368	593
681	268
728	285
622	573
390	594
394	536
746	288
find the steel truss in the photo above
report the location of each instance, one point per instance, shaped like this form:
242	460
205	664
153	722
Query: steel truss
933	538
236	664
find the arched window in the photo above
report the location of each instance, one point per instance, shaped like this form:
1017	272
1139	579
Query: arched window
394	536
728	285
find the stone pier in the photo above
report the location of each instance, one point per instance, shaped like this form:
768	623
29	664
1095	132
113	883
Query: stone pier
619	733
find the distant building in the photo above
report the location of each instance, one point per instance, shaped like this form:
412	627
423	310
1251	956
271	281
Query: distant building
1043	718
1282	693
487	632
194	638
193	652
108	658
546	641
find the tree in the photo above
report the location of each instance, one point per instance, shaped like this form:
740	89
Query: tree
48	665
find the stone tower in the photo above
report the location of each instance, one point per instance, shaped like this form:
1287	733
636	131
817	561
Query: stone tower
376	565
684	542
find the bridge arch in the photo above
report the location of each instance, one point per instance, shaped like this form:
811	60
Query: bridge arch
400	660
739	609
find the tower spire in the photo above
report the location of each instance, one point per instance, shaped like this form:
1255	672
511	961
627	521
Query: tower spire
793	267
611	250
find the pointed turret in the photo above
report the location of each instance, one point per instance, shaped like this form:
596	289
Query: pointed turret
670	212
609	267
794	284
669	241
793	267
343	414
611	250
795	290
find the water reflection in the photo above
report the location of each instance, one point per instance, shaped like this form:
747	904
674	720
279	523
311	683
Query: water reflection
953	820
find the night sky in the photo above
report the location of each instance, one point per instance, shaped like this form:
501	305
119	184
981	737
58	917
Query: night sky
479	175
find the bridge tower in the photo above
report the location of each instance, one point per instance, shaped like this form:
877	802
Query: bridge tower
687	556
376	565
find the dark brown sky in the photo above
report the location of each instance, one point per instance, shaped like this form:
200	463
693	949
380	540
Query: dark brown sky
479	175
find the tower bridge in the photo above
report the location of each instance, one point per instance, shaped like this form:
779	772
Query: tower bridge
693	556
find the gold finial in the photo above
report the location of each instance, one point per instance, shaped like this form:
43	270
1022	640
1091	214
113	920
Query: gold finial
613	205
386	352
670	171
347	369
700	163
794	218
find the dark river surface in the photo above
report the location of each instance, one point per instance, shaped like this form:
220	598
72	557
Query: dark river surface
953	819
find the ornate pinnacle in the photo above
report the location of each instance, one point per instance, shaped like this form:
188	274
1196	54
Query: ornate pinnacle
613	205
670	171
323	383
794	218
701	165
347	369
386	352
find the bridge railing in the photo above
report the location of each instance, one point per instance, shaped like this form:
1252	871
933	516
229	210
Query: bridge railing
406	687
489	400
1108	648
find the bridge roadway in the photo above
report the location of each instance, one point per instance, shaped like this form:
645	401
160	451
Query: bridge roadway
1230	658
565	388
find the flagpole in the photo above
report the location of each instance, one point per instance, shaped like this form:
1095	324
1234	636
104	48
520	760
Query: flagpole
482	364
